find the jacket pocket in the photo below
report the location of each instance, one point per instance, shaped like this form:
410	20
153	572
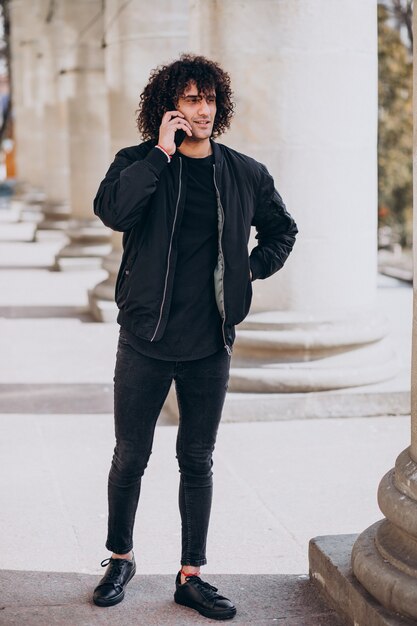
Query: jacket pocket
123	281
247	301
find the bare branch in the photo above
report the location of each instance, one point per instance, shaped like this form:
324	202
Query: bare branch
402	12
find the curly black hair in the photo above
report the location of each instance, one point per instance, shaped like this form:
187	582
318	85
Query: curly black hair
168	82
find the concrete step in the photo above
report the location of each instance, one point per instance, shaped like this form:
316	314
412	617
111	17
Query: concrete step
331	571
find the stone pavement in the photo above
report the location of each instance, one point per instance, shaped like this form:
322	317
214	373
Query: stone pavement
64	599
277	484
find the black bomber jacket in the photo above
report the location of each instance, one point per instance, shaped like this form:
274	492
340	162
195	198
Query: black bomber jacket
143	196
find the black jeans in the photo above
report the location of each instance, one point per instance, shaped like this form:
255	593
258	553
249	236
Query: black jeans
141	385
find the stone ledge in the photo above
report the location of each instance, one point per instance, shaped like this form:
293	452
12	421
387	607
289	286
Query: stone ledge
331	572
272	407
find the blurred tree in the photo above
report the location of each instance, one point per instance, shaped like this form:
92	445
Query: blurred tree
395	130
402	12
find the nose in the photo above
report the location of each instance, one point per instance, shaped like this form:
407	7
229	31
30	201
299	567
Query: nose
204	108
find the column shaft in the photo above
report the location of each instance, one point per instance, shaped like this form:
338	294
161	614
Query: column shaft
57	38
83	87
26	33
139	39
306	106
384	557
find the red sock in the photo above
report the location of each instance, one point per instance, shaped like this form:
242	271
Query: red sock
187	574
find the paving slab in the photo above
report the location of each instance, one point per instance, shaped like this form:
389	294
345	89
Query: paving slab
276	486
60	599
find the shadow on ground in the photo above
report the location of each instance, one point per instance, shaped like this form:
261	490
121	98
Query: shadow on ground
63	599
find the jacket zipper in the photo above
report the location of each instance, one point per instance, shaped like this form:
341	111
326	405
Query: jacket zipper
227	347
169	255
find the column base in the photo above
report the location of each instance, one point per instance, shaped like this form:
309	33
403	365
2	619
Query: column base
384	557
366	365
298	336
372	401
102	309
101	298
89	243
394	588
29	201
67	264
294	366
56	216
292	352
331	572
25	210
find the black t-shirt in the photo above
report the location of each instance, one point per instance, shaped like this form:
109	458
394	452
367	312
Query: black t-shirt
194	328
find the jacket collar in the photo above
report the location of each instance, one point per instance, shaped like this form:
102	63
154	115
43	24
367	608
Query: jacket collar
217	153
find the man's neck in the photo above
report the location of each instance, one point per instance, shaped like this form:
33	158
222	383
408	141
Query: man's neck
195	149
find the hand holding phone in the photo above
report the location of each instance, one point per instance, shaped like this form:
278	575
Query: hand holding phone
173	130
180	135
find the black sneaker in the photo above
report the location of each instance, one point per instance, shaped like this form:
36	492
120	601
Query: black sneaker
203	597
111	588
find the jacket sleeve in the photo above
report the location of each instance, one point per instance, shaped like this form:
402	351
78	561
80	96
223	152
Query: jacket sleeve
276	230
124	194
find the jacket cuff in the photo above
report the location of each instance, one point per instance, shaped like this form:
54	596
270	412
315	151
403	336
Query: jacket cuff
255	267
157	159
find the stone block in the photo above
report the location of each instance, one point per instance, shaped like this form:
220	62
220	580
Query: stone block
331	572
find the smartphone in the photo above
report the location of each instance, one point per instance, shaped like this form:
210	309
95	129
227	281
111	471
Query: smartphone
180	135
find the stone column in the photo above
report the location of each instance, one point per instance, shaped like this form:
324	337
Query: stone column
84	91
384	557
305	84
138	37
56	40
27	93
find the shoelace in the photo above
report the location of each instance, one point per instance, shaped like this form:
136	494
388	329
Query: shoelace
115	571
207	590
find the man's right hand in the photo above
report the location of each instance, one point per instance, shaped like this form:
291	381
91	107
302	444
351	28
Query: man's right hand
171	122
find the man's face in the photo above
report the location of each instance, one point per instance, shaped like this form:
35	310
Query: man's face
199	110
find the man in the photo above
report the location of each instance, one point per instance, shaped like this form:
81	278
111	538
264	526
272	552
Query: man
183	285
